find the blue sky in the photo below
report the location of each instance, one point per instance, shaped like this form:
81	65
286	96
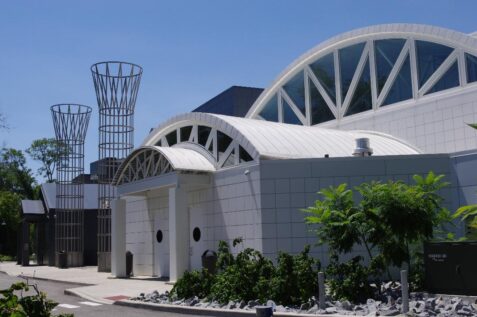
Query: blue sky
190	50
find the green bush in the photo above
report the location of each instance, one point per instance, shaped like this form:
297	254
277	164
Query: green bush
247	277
295	279
349	280
194	283
251	276
38	305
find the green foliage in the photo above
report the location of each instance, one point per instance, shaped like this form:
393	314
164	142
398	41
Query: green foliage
10	214
37	305
14	174
246	277
468	214
194	283
391	220
6	258
349	280
250	276
298	273
48	152
472	125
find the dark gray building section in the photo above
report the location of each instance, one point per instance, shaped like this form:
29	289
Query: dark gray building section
288	186
235	101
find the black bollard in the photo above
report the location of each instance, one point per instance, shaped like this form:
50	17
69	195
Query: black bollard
264	311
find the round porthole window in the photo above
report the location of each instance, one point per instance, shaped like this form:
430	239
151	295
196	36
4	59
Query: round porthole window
196	234
159	236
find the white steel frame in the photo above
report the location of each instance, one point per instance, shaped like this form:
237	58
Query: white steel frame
343	102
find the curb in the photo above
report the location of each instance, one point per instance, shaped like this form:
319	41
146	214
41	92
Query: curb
47	279
55	281
72	292
201	311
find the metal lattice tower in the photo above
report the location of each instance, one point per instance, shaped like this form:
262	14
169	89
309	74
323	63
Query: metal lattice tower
116	85
71	123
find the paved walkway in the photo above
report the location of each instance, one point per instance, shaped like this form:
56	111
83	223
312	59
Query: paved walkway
91	284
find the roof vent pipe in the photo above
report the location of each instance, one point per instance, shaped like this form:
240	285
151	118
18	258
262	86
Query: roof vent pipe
362	147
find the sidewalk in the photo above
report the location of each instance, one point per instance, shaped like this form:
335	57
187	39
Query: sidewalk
91	284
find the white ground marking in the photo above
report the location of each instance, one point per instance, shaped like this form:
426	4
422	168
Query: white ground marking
90	304
67	306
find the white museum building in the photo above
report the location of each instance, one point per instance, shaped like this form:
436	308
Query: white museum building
379	103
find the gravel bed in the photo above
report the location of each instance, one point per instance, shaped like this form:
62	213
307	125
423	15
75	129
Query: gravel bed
420	304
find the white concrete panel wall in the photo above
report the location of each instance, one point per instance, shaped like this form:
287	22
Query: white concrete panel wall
437	124
139	234
231	207
288	186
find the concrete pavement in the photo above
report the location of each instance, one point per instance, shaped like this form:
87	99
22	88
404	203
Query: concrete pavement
90	284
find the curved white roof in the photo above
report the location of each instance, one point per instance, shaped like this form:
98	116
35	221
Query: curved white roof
265	139
184	159
458	44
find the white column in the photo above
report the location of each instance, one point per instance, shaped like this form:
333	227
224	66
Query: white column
118	238
178	233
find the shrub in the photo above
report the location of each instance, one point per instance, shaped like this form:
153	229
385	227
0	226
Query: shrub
295	279
37	305
194	283
251	276
349	280
246	277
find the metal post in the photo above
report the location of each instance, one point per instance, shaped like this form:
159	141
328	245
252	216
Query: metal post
71	123
321	290
405	292
116	85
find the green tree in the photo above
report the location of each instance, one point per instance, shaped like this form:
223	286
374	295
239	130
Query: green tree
9	221
16	183
469	213
391	220
47	151
15	176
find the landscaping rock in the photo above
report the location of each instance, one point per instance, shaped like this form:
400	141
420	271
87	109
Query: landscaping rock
420	304
331	310
253	303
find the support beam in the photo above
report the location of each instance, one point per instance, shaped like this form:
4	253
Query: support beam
118	237
178	232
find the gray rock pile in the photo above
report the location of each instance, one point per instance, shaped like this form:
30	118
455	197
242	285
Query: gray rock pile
420	304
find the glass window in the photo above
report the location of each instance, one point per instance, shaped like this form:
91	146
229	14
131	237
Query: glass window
244	156
295	88
324	70
402	87
386	53
288	115
471	66
230	161
361	100
172	138
185	133
159	143
349	59
429	57
450	79
270	111
223	142
319	109
203	134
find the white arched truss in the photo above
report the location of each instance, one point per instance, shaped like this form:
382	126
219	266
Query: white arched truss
216	140
338	100
151	161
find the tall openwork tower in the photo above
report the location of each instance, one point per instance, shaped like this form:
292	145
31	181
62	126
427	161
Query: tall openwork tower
116	85
71	123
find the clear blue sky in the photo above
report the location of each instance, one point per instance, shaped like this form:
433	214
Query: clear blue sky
190	50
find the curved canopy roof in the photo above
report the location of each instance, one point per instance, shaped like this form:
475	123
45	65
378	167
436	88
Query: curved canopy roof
270	140
149	161
366	69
